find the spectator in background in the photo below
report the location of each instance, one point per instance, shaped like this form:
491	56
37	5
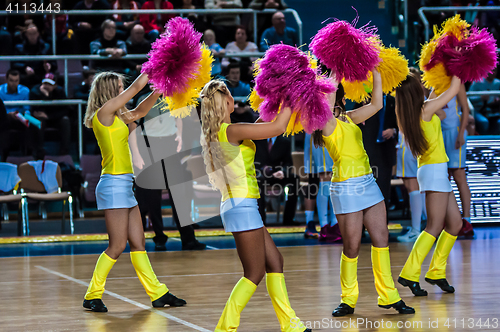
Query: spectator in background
125	22
108	45
13	91
224	25
16	24
234	85
278	33
200	22
136	44
264	20
241	44
5	41
88	27
486	104
52	116
82	90
63	36
154	24
217	51
32	72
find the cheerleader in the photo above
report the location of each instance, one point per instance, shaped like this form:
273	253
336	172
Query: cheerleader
228	152
108	117
358	201
454	128
318	165
420	121
407	170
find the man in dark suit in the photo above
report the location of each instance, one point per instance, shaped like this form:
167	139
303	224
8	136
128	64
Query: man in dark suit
274	166
380	139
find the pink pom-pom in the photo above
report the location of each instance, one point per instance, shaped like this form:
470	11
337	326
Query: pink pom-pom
285	78
352	53
174	58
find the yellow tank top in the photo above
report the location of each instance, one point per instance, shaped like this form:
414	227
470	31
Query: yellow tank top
113	142
345	146
436	153
240	169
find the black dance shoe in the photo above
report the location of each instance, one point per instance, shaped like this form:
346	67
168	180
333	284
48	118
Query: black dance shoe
413	285
194	245
169	299
308	330
342	310
441	283
400	306
95	305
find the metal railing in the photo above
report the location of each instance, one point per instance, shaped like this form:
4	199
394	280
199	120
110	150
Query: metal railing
422	10
252	12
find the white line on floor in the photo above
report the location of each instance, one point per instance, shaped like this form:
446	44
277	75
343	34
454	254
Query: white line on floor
140	305
177	239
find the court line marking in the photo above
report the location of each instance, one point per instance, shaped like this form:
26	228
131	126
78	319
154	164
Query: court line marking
123	298
177	239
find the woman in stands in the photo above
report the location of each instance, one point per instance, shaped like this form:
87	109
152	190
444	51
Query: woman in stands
108	117
228	152
358	201
420	120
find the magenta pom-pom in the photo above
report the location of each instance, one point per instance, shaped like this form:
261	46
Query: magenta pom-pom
286	78
352	53
174	58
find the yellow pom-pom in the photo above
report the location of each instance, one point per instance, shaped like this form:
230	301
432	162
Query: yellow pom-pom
357	91
294	126
393	68
255	100
455	26
437	78
313	62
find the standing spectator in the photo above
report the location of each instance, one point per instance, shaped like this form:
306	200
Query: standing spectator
278	33
82	90
216	49
13	91
485	105
224	25
52	116
87	27
241	44
125	22
63	36
274	166
108	45
136	44
32	72
154	24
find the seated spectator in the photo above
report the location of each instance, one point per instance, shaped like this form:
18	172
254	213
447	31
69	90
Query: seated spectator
264	20
13	91
224	25
52	116
199	21
16	24
136	44
32	72
485	105
108	45
217	51
274	166
155	24
234	85
88	27
278	33
82	90
241	44
63	35
125	22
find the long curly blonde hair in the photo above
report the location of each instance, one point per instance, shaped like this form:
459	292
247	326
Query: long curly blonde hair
213	112
106	86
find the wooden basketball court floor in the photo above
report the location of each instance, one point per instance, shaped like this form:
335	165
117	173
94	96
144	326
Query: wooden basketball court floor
45	293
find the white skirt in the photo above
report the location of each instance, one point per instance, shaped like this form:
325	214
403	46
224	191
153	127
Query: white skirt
434	177
355	194
115	192
240	214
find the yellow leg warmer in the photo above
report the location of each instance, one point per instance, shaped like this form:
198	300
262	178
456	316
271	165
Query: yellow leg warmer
276	288
241	294
349	280
437	270
147	276
421	248
102	268
381	264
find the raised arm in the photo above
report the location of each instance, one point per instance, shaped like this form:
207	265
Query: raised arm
440	112
255	131
363	113
431	106
142	109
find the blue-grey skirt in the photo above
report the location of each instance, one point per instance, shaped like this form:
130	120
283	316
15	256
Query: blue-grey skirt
407	164
240	214
434	177
457	156
115	192
355	194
